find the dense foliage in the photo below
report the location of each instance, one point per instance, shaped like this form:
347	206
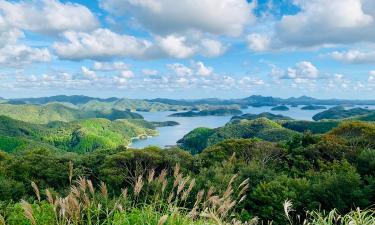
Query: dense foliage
263	128
43	114
339	112
267	115
255	169
280	108
77	136
335	170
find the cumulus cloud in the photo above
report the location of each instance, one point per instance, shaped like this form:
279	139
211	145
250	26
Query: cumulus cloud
99	44
212	48
164	17
108	66
47	16
150	72
353	56
21	55
202	70
180	69
87	73
339	81
126	74
327	22
318	23
302	70
176	46
258	42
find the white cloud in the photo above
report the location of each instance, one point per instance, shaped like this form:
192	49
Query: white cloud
339	81
9	35
176	46
354	56
100	44
107	66
126	74
180	69
258	42
150	72
47	16
87	73
212	48
322	22
302	70
227	17
202	70
371	78
21	55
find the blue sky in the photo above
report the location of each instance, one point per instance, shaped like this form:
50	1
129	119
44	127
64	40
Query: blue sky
188	48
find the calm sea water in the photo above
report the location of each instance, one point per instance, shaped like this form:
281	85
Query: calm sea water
170	135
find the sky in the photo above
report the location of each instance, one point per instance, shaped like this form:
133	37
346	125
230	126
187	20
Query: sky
188	48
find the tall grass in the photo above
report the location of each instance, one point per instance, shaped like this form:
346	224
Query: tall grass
160	199
151	199
333	217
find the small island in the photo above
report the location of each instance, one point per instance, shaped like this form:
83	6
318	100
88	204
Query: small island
313	107
267	115
208	112
280	108
165	123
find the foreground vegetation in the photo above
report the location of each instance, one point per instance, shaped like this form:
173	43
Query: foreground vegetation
317	173
257	169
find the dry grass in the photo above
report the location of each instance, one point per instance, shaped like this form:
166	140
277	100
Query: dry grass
84	205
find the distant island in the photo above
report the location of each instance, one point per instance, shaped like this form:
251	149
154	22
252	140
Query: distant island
213	112
165	123
280	108
313	107
250	116
339	112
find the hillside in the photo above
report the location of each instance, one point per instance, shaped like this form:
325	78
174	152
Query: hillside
263	128
43	114
280	108
267	115
77	136
73	99
339	112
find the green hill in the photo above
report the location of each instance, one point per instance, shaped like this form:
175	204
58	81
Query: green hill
339	112
316	127
43	114
280	108
267	115
262	128
77	136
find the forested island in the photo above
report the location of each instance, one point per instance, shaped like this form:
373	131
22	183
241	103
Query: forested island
280	108
213	112
313	107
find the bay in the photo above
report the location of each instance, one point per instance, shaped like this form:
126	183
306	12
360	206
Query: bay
168	136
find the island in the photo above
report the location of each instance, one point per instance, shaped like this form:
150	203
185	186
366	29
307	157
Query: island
280	108
313	107
339	112
165	123
208	112
267	115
